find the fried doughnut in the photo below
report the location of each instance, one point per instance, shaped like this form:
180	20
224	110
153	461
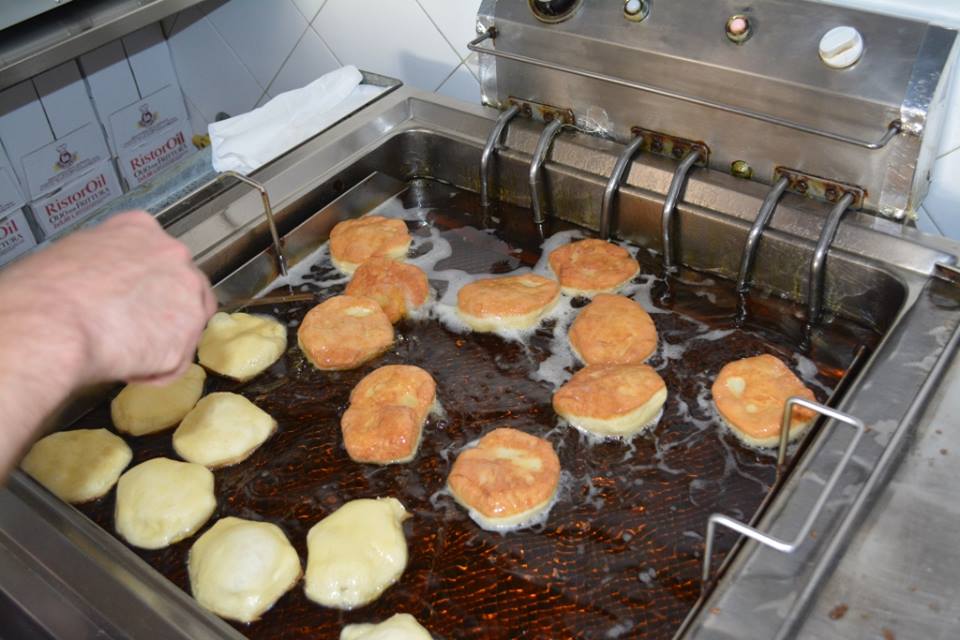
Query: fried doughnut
384	422
240	345
507	481
223	429
509	302
239	568
162	501
355	553
397	287
353	242
399	626
612	399
343	332
592	266
613	330
146	408
751	394
79	465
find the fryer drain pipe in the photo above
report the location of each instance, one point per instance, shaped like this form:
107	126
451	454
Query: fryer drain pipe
536	166
613	185
819	261
670	203
486	158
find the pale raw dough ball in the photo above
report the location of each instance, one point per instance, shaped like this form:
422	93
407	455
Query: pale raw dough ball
240	568
78	466
145	408
223	429
355	553
162	501
240	345
399	626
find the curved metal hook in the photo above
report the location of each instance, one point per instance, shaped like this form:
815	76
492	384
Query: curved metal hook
539	157
486	158
613	185
670	202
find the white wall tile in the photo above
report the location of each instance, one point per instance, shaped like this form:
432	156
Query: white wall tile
461	85
211	75
943	200
945	12
927	224
950	134
456	20
261	33
309	8
392	37
310	59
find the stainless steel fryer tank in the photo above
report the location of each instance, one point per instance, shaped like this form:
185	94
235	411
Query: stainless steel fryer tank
70	574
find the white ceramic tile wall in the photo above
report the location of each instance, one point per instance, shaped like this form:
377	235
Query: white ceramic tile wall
233	55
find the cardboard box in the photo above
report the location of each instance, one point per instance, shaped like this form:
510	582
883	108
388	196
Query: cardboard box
149	57
111	83
64	97
11	196
73	202
64	160
151	134
16	238
23	126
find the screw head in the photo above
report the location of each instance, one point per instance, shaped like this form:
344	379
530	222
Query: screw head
738	28
741	169
801	186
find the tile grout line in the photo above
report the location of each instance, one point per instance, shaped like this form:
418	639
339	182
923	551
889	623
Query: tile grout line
282	65
326	44
440	31
946	153
315	14
933	221
213	25
449	75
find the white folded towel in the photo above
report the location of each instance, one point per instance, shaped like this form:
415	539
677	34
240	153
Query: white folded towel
250	140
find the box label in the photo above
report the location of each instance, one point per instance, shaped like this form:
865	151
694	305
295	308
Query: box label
15	237
71	204
142	122
65	159
143	163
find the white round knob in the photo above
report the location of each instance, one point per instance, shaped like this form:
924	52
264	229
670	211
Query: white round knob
841	47
633	7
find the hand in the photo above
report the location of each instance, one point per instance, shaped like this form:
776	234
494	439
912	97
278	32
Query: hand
126	293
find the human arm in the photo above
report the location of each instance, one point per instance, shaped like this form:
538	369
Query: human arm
122	301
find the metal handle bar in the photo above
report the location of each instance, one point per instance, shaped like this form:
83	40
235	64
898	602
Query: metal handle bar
785	546
539	157
671	200
892	129
759	226
267	209
818	262
486	157
613	185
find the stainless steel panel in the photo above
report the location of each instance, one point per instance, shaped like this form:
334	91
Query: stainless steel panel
681	49
73	29
15	11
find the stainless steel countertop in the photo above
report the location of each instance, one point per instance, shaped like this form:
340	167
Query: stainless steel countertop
901	571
